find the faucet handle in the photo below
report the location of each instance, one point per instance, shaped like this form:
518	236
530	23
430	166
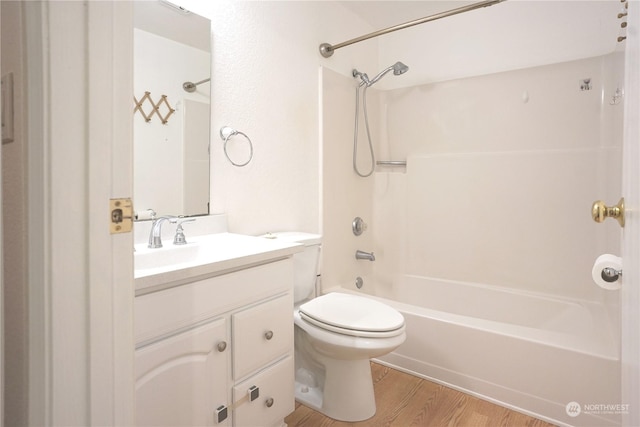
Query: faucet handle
179	238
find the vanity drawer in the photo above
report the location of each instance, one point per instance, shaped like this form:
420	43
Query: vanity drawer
276	396
262	333
166	311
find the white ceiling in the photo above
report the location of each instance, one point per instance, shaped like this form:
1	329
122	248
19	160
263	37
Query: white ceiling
384	14
510	35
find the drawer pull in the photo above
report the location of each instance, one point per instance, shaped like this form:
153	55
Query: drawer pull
269	402
268	335
253	392
222	346
221	413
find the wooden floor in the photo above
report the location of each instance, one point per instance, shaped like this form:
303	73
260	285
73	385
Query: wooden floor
404	400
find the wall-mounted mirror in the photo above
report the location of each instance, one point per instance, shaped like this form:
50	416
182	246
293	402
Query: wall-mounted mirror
171	123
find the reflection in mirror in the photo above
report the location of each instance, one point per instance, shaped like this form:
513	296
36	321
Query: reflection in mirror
171	121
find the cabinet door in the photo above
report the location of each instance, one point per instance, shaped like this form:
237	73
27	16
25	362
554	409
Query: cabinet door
261	334
181	380
275	400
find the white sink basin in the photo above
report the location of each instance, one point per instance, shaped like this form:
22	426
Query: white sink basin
204	255
166	256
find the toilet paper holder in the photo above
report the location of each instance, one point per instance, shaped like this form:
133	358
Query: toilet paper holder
610	274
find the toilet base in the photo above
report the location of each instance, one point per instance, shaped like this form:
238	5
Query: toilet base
348	391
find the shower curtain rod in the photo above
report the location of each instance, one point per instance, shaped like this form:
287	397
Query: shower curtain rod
327	49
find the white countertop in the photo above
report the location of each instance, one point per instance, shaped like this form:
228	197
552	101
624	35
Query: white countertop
204	256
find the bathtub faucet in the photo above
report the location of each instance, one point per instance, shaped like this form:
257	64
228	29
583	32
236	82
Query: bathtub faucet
365	255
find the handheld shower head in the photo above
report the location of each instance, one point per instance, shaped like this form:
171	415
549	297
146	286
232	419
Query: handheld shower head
397	68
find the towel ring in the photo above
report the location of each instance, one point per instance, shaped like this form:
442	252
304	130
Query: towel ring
226	133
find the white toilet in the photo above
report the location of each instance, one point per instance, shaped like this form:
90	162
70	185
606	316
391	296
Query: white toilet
335	336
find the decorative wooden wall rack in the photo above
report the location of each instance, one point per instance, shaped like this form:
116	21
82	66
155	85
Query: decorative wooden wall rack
155	107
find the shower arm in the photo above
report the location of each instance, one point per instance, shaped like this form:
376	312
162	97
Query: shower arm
191	87
327	49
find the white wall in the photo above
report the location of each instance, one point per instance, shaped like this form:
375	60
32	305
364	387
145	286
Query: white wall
265	84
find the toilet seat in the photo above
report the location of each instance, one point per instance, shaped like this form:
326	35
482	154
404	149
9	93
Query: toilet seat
353	315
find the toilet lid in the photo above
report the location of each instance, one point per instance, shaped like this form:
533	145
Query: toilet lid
352	312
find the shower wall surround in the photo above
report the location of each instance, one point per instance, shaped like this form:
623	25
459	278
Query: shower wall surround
345	195
502	170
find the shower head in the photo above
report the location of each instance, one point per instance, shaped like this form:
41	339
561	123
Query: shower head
397	68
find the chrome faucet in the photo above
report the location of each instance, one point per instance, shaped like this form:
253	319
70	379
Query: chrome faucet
365	255
155	237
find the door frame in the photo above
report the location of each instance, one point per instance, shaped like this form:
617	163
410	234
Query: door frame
630	291
80	75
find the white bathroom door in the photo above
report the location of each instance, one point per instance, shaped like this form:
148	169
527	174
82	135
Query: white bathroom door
79	57
630	291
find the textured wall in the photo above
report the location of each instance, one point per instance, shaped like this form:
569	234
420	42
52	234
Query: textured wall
265	84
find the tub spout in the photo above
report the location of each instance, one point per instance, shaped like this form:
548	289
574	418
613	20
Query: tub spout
365	255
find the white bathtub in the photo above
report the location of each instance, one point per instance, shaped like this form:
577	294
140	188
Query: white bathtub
530	352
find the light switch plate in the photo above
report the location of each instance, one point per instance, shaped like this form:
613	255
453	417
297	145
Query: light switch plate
7	108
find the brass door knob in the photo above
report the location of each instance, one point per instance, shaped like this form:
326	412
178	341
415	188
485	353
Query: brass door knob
600	212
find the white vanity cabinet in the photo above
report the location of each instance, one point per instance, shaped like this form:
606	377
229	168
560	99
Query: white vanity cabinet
217	351
179	377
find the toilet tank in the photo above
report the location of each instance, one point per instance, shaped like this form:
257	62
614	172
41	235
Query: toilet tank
305	263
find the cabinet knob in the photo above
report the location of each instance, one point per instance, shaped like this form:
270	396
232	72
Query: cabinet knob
269	402
268	335
222	346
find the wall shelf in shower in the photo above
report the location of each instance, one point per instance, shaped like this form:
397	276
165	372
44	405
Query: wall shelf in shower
391	163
